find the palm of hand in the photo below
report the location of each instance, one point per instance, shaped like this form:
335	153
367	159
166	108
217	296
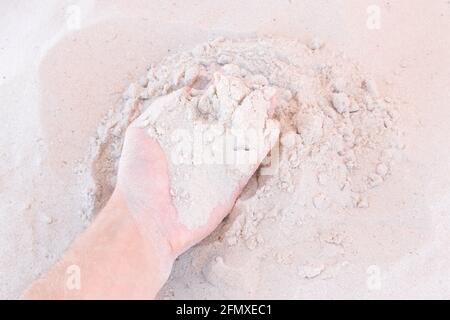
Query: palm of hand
144	184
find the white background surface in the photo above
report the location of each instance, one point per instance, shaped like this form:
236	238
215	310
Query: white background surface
56	85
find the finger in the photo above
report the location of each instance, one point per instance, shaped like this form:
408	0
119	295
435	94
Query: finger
154	111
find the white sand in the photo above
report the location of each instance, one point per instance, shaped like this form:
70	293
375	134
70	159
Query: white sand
54	96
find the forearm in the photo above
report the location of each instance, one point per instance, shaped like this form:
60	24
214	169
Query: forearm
111	260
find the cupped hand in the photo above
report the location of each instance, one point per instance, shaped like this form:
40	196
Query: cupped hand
144	186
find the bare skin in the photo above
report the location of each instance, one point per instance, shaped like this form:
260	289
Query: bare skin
129	250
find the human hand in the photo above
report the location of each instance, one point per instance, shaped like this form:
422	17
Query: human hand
129	249
145	184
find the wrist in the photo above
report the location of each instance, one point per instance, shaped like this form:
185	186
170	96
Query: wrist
156	246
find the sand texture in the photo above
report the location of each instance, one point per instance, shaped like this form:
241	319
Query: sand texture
65	65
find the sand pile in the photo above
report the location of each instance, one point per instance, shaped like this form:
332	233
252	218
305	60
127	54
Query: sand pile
339	138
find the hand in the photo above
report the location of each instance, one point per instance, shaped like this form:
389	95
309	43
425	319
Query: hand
144	185
129	249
